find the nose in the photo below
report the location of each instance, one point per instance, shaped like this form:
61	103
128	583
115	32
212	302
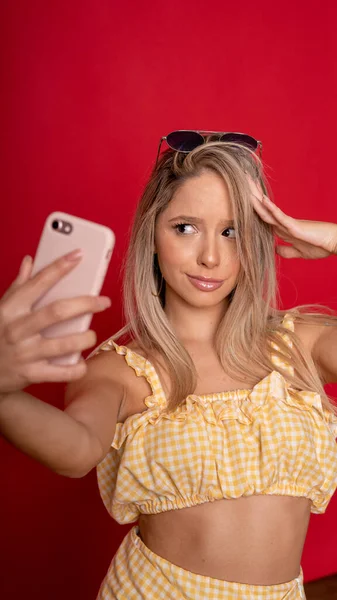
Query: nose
209	252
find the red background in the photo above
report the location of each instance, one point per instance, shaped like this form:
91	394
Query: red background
88	89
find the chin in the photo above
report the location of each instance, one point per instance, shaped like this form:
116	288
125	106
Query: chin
206	298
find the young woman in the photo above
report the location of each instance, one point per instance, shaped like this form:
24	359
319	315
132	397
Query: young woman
210	427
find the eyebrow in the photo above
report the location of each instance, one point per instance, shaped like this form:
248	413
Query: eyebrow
227	222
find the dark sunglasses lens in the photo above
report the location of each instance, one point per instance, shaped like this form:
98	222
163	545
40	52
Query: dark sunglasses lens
240	138
184	141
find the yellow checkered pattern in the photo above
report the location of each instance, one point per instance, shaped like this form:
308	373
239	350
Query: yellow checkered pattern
136	573
266	440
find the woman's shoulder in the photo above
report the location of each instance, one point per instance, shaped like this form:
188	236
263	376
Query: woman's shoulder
111	360
125	364
308	328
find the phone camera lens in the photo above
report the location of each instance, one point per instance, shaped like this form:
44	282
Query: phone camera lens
55	224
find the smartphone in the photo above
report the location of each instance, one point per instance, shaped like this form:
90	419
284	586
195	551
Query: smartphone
61	234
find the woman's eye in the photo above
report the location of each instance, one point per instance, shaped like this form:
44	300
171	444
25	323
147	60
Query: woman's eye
179	227
226	232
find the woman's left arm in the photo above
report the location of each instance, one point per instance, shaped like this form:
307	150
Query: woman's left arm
311	240
324	353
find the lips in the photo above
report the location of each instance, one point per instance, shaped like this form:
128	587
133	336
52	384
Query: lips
206	279
205	285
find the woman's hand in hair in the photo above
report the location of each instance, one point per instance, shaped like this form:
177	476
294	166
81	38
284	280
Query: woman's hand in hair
308	239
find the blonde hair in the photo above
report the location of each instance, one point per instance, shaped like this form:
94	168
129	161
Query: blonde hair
252	321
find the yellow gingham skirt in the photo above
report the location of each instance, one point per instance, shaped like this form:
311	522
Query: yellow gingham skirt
137	573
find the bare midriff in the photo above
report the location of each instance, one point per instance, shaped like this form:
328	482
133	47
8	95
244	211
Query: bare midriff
256	540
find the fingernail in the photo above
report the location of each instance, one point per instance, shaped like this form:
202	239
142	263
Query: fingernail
74	255
104	302
27	259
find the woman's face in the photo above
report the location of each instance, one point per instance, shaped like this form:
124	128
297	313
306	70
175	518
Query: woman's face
194	236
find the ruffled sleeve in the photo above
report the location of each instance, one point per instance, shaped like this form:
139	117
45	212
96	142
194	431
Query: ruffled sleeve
310	398
155	402
287	323
331	420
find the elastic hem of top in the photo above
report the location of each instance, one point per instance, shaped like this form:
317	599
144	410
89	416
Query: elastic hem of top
277	489
129	513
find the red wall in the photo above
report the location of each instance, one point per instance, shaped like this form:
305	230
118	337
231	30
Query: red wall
88	89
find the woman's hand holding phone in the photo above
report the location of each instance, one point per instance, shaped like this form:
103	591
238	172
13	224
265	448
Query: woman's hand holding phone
24	352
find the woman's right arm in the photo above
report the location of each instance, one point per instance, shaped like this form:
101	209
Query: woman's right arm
73	441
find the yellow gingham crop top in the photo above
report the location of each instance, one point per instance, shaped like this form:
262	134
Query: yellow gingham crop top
222	445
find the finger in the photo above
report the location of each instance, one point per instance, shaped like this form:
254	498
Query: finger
24	270
22	276
41	372
52	273
56	312
277	213
254	185
41	282
39	348
263	211
288	252
274	215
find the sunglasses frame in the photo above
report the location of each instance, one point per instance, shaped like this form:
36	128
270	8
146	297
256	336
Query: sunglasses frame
203	133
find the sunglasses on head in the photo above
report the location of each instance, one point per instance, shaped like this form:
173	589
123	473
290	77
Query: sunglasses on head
185	140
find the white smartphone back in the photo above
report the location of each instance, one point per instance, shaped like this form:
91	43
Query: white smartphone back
61	234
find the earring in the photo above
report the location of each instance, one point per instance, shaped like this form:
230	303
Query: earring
161	285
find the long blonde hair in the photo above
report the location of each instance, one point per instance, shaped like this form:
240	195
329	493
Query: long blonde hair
252	321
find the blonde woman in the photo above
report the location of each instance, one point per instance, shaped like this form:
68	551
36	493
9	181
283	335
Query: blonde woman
210	426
